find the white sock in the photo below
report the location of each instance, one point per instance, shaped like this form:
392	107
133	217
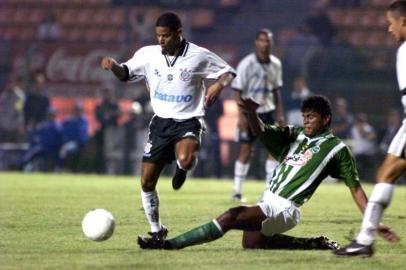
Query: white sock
379	200
150	202
240	173
270	166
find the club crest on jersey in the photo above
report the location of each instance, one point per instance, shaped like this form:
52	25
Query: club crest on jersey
185	75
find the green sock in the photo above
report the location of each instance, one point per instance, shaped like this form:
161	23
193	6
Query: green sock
199	235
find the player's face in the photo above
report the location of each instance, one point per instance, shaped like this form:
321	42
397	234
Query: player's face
396	26
263	43
168	39
314	124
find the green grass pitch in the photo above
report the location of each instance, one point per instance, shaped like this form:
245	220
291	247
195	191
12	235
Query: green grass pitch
40	225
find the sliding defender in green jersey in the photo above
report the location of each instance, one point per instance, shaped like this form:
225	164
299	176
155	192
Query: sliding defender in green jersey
307	156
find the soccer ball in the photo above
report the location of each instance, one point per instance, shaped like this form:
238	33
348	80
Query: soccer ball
98	225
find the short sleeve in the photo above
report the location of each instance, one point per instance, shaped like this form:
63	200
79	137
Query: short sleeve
277	80
136	66
343	167
216	66
240	81
401	66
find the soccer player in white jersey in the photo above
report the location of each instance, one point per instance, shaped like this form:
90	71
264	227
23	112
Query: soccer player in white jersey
307	156
395	163
174	72
259	76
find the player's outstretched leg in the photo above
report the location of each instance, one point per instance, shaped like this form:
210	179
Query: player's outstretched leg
155	241
202	234
256	240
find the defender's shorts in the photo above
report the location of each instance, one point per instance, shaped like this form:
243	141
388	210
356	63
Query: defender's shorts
164	133
282	214
398	143
246	136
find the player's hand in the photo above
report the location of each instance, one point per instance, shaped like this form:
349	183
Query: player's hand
107	63
212	94
388	234
280	121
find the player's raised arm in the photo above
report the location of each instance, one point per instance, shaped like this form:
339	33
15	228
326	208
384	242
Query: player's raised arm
249	107
108	63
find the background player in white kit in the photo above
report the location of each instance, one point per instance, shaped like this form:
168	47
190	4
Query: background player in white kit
259	76
174	72
395	163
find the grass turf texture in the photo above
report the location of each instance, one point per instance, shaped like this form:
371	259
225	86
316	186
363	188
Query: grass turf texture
40	225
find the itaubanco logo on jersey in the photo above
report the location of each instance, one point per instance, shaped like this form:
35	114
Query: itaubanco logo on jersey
173	98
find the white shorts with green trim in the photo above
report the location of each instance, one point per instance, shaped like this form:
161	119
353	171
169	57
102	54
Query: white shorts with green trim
282	214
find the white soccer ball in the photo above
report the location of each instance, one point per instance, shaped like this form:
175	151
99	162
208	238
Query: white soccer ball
98	225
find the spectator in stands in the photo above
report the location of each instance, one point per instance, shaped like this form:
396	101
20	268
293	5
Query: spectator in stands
11	112
107	114
74	138
48	29
343	119
36	105
300	48
141	25
363	145
45	142
346	3
299	92
320	24
393	122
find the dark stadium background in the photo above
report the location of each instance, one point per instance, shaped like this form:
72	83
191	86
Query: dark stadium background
347	53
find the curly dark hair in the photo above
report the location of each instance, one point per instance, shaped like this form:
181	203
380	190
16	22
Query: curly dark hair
398	7
170	20
319	104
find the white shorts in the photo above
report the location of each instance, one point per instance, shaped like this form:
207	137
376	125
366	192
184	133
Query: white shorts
397	145
282	214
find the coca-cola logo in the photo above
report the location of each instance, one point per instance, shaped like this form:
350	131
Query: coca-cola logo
63	66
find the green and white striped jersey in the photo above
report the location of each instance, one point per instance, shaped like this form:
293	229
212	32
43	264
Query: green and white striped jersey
305	161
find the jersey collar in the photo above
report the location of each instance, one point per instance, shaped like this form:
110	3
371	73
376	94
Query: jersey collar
184	45
326	134
265	63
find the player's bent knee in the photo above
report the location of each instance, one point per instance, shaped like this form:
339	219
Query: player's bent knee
233	213
187	162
